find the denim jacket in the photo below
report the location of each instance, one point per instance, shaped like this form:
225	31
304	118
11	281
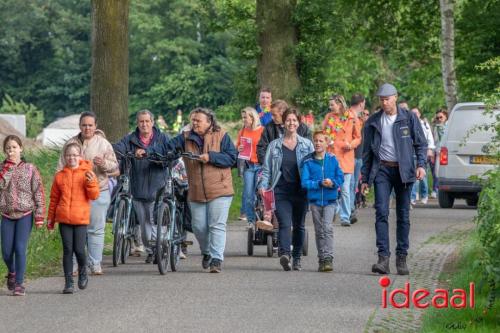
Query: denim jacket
271	169
409	140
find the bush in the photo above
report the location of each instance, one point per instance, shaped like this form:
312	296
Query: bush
34	116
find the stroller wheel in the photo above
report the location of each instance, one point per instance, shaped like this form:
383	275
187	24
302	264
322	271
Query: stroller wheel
250	237
269	241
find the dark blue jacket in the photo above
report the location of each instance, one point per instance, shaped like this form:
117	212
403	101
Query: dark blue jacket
146	177
313	174
409	140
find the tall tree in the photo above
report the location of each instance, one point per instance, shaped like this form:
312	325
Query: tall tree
448	52
277	38
109	82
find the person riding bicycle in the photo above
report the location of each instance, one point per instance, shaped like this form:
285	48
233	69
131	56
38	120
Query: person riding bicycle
146	177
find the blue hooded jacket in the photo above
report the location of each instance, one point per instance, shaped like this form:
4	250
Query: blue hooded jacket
313	174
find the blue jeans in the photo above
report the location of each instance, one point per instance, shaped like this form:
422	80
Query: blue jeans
345	199
249	185
15	235
422	187
291	211
209	225
358	162
95	230
388	178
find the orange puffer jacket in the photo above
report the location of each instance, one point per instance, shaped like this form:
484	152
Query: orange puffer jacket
71	194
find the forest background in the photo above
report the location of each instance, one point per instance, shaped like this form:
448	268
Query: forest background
187	53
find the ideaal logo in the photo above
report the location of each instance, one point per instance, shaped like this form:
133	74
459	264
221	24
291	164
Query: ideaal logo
419	297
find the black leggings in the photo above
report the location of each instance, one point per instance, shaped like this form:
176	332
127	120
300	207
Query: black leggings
74	238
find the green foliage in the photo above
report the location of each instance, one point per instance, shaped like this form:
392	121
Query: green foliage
479	319
34	116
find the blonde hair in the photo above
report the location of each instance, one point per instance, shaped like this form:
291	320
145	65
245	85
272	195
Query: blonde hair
251	112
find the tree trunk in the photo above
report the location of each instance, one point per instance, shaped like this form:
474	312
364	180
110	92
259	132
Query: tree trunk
448	53
277	37
109	81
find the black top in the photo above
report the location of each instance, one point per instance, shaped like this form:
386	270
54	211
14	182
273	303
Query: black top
289	182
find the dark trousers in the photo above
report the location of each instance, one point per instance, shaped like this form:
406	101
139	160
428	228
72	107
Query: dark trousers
15	235
74	238
388	178
291	211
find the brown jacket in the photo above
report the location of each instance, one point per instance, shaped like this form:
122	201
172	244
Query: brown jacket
207	181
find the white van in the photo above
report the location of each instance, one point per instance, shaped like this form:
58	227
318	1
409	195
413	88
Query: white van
461	157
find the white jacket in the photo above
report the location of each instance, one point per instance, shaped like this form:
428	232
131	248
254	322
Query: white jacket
428	134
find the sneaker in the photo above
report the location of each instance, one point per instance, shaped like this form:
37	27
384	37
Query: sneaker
424	201
264	225
285	263
413	202
434	195
11	281
242	217
354	217
96	269
345	223
296	266
205	263
215	266
328	266
182	255
19	290
139	249
321	265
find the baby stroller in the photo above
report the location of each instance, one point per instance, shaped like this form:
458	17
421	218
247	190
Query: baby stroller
269	238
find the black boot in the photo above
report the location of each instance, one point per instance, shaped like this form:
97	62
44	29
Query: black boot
82	277
401	265
68	286
382	266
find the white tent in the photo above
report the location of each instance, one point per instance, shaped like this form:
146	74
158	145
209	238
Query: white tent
59	131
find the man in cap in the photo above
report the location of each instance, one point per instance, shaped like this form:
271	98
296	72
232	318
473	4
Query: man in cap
391	138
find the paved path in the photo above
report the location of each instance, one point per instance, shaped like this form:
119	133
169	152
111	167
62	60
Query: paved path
252	294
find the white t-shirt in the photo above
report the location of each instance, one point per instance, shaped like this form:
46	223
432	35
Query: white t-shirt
387	149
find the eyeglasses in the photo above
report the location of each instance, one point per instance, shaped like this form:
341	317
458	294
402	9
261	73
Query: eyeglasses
439	118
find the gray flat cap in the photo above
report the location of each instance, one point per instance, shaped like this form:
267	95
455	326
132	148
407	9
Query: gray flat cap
387	89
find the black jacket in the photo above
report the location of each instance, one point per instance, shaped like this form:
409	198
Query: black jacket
409	140
272	132
145	177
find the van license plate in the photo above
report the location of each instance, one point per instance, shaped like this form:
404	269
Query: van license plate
483	160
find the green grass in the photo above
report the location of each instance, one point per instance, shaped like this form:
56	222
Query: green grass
45	248
234	210
480	318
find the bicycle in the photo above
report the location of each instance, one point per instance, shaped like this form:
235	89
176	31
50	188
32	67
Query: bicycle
170	234
123	219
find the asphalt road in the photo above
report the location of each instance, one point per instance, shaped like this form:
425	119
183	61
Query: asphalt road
251	294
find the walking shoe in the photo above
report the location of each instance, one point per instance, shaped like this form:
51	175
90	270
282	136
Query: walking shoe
149	258
82	278
401	265
96	269
182	255
434	195
242	217
382	266
345	223
215	266
285	263
328	266
413	202
296	266
264	225
11	281
424	200
139	250
68	285
354	217
321	265
19	290
205	263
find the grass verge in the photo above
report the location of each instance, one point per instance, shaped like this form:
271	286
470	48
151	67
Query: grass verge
480	318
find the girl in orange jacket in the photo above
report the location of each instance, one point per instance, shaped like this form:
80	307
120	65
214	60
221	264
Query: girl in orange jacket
72	189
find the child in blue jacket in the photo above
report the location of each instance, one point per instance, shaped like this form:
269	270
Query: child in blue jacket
321	176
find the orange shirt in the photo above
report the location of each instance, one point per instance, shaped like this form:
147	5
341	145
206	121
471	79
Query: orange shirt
343	129
255	136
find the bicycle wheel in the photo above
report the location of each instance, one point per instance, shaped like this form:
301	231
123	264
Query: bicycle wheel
163	224
175	249
127	242
118	234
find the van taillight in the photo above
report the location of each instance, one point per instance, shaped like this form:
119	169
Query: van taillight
443	156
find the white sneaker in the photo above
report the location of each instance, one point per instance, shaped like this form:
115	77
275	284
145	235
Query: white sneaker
413	202
96	269
433	195
182	255
424	200
139	249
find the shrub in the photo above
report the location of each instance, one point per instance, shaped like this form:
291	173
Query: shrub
34	116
